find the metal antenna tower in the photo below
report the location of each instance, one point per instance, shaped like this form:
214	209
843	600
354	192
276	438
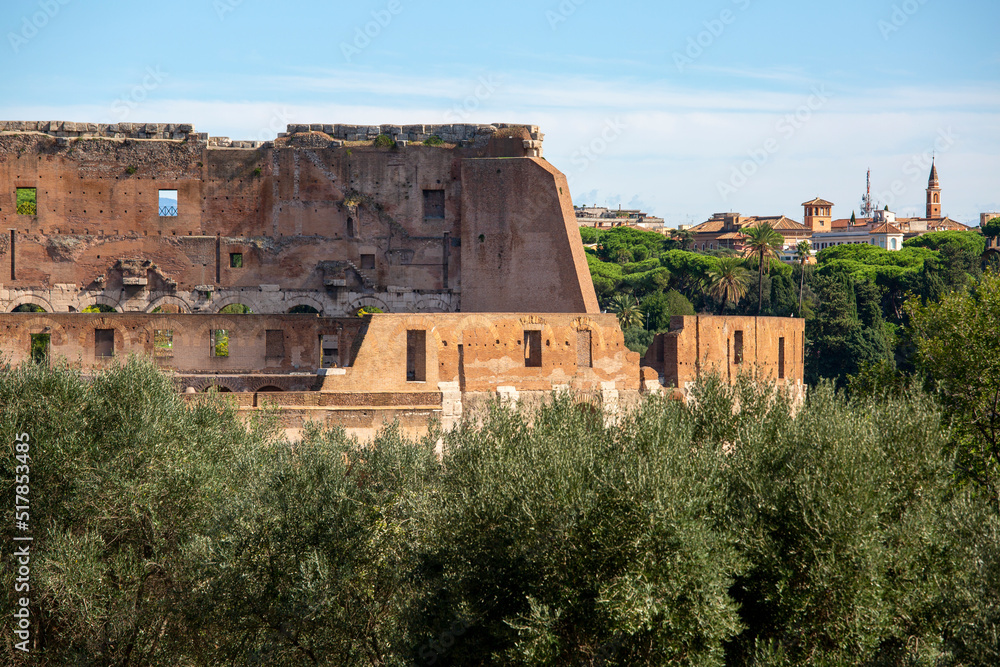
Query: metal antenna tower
867	208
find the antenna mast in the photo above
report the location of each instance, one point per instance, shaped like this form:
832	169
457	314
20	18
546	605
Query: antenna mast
866	202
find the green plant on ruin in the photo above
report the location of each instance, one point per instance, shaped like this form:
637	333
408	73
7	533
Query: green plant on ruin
130	170
433	140
257	172
384	141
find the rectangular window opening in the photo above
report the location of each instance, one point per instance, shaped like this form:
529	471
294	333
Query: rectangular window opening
236	260
40	347
781	358
330	347
584	354
274	344
367	262
27	201
416	356
738	347
104	342
168	203
220	342
434	204
163	343
533	349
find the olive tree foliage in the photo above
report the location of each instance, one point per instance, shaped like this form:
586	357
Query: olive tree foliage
120	476
562	541
735	529
174	534
957	341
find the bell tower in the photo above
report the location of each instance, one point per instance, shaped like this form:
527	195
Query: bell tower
817	215
933	194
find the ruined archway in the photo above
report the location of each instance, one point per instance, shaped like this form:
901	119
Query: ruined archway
240	299
169	304
367	301
29	299
304	309
100	300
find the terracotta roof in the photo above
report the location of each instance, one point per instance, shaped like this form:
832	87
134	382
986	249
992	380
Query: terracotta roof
731	236
887	229
708	227
818	202
948	223
779	222
789	224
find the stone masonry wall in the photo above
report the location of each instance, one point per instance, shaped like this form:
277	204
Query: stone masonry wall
730	346
301	221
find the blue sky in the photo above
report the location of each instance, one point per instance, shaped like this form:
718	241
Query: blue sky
684	109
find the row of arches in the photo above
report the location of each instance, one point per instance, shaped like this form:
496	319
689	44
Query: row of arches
230	306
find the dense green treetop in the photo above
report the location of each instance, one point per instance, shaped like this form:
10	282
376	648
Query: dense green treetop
970	241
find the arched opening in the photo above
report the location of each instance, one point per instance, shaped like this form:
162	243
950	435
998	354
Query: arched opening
98	308
236	309
28	308
217	389
258	400
167	309
303	310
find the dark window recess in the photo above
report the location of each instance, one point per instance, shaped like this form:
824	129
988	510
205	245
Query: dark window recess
350	228
434	203
738	347
104	342
40	348
168	203
236	260
533	349
27	201
367	262
220	343
330	347
781	358
416	356
274	344
584	355
163	343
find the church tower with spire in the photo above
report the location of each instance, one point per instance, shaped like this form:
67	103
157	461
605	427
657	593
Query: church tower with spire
933	194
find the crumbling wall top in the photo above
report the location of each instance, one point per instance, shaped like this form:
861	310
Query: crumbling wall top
461	133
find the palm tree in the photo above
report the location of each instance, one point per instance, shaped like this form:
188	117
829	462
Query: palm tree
626	307
762	242
728	282
803	251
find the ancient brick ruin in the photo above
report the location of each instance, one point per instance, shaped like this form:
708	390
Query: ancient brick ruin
464	235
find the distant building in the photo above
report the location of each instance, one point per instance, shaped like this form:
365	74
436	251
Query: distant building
886	235
725	230
986	217
603	217
818	217
911	227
